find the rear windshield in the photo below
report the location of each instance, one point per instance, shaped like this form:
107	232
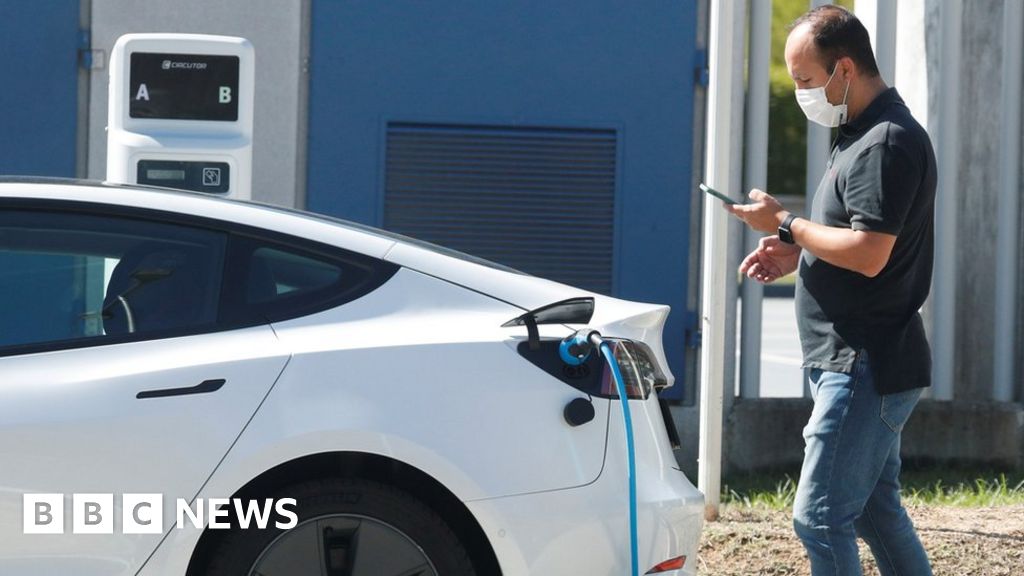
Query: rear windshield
391	236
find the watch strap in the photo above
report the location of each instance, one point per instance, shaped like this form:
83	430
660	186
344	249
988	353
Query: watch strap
785	233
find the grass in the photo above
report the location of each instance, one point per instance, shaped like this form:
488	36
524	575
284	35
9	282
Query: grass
989	490
930	486
762	491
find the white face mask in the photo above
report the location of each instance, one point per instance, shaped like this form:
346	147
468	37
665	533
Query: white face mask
817	108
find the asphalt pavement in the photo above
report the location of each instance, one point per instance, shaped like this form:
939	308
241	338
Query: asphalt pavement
781	375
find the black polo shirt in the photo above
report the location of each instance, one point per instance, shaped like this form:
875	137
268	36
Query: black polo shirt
881	177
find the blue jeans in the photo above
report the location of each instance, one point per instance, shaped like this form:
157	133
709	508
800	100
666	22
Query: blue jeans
849	484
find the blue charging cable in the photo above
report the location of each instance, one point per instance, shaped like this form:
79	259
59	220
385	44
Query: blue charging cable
575	350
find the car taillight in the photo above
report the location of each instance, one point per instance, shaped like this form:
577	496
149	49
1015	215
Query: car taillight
676	563
639	370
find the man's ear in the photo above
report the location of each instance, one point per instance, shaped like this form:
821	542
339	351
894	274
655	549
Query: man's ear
848	68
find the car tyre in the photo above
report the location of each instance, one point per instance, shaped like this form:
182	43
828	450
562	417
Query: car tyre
381	524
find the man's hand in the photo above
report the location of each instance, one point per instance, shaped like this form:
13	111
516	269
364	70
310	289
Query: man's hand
763	213
772	260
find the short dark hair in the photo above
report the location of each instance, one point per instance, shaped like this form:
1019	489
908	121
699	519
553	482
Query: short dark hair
838	34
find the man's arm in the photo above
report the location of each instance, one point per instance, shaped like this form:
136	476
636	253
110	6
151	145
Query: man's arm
863	252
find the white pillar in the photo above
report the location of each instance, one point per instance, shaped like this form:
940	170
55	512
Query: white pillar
945	277
719	163
879	17
913	82
817	147
737	229
1007	229
755	176
912	58
817	158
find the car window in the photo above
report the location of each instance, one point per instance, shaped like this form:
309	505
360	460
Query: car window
75	279
287	274
389	235
272	280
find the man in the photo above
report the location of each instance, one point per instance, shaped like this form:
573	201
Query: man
865	263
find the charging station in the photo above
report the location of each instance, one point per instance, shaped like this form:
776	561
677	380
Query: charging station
181	113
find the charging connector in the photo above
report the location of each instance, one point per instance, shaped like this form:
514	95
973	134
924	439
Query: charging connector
574	351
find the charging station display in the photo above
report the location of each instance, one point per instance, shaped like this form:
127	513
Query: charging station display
183	87
181	113
213	177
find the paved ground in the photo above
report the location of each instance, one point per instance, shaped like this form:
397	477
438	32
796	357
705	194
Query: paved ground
781	375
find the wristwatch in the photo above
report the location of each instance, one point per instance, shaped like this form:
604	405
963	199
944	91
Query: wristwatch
785	234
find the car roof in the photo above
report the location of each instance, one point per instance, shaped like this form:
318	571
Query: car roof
515	288
195	205
376	242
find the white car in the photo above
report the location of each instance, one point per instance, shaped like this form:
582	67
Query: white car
388	407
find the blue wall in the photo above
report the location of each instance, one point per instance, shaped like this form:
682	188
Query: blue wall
38	126
603	64
39	98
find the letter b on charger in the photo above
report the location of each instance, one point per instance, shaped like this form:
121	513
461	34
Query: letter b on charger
43	513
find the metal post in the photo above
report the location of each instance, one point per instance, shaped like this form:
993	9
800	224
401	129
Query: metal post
817	158
817	148
730	377
755	176
945	277
1009	216
879	17
717	169
885	39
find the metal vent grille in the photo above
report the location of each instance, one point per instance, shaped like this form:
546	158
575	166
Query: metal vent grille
541	200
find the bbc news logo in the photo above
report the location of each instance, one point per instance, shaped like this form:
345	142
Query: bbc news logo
144	513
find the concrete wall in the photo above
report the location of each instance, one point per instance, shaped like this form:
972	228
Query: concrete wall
1019	379
919	73
768	434
978	199
276	29
1020	285
981	158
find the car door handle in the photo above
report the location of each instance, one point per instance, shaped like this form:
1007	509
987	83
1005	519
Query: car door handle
203	387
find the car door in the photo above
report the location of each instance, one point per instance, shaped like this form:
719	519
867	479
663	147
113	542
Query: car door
117	376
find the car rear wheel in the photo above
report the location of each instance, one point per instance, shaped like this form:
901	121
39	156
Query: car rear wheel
347	527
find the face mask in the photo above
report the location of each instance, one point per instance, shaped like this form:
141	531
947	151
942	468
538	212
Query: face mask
817	108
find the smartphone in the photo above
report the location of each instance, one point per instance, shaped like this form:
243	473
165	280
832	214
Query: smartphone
718	194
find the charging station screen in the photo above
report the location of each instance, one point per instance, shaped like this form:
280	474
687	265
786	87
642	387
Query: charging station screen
212	177
183	87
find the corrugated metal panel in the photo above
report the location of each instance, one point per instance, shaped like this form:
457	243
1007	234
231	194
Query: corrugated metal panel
540	200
